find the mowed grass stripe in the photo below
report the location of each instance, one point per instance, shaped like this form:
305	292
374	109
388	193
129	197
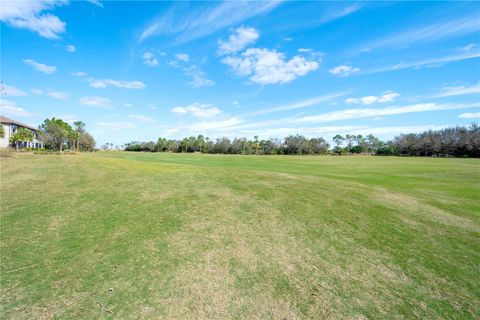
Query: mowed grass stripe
212	236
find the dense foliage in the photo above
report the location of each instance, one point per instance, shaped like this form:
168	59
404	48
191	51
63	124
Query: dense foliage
457	142
22	134
57	134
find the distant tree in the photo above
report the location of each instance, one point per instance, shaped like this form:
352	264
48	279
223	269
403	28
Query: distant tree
2	131
338	139
350	138
55	133
79	130
86	142
21	135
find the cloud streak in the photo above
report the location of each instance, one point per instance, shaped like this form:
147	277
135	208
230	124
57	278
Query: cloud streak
204	19
40	66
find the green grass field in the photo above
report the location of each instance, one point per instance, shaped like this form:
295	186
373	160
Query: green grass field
187	236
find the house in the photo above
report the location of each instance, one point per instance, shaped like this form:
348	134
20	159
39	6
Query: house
11	126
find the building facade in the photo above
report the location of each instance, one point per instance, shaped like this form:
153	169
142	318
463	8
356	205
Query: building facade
11	126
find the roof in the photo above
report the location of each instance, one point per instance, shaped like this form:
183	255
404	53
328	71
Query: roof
18	123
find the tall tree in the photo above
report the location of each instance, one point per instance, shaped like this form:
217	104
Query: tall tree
56	133
79	130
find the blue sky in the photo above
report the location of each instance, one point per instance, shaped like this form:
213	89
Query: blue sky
140	70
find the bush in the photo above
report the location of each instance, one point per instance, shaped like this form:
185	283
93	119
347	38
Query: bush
356	149
7	152
385	151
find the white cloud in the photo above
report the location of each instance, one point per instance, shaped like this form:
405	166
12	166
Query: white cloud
459	90
470	115
242	37
198	110
95	101
32	15
305	50
12	91
142	118
344	70
10	108
71	48
202	20
103	83
58	95
37	92
150	59
96	2
182	57
264	66
78	74
40	66
128	105
388	96
199	78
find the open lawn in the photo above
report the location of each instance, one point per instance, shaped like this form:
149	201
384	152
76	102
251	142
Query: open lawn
187	236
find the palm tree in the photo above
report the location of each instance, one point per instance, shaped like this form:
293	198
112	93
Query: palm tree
79	129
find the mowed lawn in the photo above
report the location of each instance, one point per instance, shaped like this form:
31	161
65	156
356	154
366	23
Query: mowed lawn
187	236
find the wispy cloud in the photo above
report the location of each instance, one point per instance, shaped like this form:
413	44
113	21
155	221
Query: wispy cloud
459	90
344	70
434	32
379	112
204	19
71	48
34	16
115	125
301	104
58	95
199	77
388	96
40	66
331	11
103	83
95	101
12	91
10	108
470	115
149	59
142	118
430	62
96	2
78	74
197	110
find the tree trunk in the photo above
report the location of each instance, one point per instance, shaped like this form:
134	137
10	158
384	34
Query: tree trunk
16	146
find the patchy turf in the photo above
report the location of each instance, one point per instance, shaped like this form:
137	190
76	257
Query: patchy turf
180	236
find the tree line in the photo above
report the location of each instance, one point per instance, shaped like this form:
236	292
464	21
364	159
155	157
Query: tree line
450	142
57	134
